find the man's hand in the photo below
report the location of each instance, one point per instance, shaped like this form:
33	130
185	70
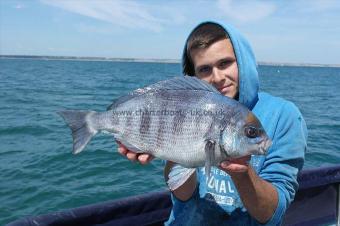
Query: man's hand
239	165
258	196
132	156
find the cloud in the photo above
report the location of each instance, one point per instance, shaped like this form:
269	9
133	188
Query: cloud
129	14
87	28
246	11
317	5
19	6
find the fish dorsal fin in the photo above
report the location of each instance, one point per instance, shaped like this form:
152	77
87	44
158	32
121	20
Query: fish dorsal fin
176	83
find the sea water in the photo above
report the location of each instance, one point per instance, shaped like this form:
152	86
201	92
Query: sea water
38	172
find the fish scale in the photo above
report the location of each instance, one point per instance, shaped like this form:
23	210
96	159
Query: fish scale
170	136
168	121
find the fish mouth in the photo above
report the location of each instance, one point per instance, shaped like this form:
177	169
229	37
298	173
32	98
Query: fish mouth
264	146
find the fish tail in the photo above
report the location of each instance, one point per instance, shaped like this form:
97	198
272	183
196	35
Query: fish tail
80	124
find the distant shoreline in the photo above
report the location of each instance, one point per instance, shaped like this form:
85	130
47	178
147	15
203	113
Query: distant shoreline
146	60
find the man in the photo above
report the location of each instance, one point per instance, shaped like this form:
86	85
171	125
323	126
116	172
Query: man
252	190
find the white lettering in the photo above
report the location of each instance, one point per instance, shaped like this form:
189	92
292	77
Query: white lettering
216	184
211	183
222	199
229	188
222	187
222	173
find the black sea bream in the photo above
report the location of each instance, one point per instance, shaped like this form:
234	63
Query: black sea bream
184	120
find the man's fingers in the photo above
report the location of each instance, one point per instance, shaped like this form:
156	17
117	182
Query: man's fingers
233	167
122	150
131	156
145	158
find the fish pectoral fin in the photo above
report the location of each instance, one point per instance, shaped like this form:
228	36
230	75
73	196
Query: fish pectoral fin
209	156
178	176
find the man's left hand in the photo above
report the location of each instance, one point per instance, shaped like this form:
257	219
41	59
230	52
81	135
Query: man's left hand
239	165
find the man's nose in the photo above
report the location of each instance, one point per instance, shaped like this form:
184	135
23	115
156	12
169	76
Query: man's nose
217	76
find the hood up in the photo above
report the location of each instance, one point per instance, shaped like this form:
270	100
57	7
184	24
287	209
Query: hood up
247	68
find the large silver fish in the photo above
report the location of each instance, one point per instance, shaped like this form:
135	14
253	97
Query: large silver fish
184	120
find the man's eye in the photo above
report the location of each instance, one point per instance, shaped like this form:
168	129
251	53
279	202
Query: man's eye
204	70
251	132
224	64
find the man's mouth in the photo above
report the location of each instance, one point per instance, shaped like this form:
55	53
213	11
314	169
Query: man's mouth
224	88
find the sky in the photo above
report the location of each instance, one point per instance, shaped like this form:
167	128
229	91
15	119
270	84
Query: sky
290	31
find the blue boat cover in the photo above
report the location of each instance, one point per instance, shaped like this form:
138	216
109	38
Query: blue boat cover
314	204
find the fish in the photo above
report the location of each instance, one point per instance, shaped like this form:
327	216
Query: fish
183	119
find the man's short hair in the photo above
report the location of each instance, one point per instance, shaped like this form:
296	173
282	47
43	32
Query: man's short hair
204	35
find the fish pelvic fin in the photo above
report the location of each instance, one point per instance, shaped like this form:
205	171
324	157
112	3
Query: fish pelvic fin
82	131
209	156
178	176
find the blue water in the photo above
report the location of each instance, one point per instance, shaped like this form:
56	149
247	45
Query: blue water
38	172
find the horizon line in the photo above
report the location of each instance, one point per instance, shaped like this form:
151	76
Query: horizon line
145	60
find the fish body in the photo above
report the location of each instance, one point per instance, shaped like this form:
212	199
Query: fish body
184	120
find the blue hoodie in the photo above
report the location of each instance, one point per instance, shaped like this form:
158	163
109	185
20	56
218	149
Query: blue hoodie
217	202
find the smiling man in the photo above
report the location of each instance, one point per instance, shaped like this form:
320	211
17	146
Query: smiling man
217	65
252	190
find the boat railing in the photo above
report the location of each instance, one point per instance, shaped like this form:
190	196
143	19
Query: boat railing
317	202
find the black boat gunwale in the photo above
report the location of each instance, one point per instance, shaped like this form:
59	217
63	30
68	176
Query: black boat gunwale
317	202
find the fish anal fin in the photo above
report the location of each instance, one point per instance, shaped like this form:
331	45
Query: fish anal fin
127	144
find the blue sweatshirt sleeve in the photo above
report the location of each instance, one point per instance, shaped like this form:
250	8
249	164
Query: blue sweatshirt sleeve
285	158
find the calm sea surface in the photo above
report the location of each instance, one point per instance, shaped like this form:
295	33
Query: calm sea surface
38	172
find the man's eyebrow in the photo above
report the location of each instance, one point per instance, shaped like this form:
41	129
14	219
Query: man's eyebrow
202	66
227	58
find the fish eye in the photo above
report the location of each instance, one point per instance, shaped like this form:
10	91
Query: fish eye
251	132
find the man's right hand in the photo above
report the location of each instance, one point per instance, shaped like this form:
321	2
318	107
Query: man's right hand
143	158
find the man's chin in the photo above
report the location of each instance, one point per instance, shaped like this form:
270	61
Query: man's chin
230	94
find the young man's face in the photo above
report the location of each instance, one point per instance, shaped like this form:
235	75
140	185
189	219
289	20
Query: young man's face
217	65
